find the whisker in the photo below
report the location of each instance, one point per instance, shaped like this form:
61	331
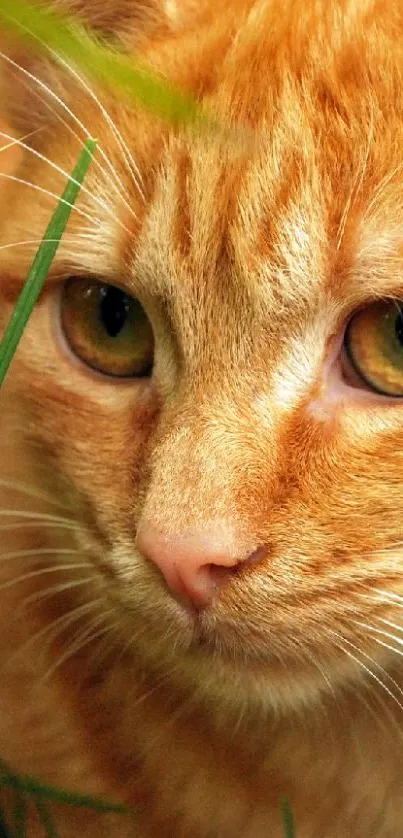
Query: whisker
39	552
30	525
79	641
386	709
389	594
47	593
15	140
48	90
37	242
130	162
60	170
40	517
26	489
384	598
50	194
114	182
368	670
380	631
388	646
25	577
55	627
389	623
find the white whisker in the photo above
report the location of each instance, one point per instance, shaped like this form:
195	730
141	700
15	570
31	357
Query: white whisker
62	587
381	597
26	577
388	645
37	242
26	489
389	623
50	194
16	141
389	594
130	162
48	90
83	188
39	552
380	631
30	525
368	670
78	642
55	627
35	516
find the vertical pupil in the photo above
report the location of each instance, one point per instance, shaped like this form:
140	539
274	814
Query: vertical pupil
113	310
399	328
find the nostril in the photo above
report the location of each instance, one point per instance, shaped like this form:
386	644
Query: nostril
204	585
258	555
219	574
196	565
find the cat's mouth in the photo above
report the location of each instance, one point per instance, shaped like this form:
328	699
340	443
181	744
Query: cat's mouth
271	625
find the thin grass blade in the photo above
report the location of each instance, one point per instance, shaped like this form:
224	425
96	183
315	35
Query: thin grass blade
31	786
4	830
288	819
49	827
20	815
43	260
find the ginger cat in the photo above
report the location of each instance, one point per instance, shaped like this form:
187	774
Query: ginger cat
201	433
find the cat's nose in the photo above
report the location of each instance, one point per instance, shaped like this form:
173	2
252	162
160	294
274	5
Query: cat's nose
194	566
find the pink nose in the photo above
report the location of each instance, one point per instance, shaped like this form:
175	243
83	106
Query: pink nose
194	566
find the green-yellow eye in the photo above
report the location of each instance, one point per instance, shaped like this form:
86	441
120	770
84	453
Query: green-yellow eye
106	328
374	345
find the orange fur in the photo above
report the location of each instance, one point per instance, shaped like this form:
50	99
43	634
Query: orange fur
249	258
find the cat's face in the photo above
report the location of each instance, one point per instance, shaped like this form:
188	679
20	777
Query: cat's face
239	493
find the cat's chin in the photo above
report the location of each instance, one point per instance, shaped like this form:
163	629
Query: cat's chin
284	656
198	652
272	689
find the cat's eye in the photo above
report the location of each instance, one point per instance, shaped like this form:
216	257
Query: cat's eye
106	328
374	346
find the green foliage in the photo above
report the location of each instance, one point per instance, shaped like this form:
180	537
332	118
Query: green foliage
4	831
288	819
29	790
42	28
43	260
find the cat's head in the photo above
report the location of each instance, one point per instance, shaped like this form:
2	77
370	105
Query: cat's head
214	374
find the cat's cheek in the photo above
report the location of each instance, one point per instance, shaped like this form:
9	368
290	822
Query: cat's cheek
94	429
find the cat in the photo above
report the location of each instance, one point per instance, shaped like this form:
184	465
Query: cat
201	432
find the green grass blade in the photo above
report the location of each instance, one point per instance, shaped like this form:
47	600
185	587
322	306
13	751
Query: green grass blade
4	830
29	785
49	827
288	819
43	260
20	815
44	28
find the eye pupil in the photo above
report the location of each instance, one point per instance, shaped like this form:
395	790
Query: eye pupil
113	309
399	328
107	329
